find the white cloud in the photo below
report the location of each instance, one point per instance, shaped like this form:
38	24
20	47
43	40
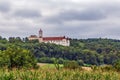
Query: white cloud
73	18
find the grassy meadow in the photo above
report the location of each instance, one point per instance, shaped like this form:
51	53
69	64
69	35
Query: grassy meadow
49	72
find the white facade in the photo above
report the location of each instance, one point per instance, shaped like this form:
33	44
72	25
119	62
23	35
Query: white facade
63	42
55	40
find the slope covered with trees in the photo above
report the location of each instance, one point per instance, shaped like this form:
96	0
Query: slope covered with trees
84	51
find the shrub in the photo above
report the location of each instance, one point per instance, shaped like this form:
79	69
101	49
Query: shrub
80	62
95	68
71	64
107	68
116	65
56	63
15	57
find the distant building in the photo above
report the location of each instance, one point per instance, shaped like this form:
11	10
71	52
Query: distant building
56	40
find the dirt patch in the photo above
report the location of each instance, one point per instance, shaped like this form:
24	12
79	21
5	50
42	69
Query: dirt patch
87	68
41	64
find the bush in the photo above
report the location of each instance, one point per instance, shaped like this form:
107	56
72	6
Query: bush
95	68
116	65
80	62
15	57
71	64
107	68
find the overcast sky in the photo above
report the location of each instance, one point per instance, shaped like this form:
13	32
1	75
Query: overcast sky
72	18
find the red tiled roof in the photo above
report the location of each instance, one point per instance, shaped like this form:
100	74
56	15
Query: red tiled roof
53	38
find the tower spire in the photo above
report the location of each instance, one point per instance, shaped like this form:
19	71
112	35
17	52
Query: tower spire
40	33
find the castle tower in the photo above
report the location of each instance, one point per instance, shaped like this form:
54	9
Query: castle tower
40	33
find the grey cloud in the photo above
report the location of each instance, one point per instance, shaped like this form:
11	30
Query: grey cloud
89	13
71	15
25	13
89	30
112	9
4	7
82	15
64	17
52	20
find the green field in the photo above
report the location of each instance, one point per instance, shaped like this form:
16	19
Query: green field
48	72
48	66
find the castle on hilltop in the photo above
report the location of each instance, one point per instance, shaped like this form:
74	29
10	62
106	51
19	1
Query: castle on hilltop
55	40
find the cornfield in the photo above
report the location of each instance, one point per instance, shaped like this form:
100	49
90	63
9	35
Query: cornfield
53	74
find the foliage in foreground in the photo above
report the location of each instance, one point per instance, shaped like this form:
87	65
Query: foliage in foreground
117	65
53	74
71	65
15	57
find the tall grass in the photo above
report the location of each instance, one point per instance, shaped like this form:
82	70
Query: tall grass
53	74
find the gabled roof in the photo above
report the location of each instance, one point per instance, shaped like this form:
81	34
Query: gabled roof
53	38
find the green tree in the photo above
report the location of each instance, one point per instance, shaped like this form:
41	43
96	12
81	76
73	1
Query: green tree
16	57
117	65
71	65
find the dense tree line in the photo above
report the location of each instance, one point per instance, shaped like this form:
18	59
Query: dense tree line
84	51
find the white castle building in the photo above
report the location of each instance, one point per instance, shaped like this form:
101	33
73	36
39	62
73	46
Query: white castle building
56	40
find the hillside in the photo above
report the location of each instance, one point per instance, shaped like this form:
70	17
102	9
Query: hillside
84	51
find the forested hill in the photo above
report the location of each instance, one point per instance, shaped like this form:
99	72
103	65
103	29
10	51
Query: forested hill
84	51
107	50
98	45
